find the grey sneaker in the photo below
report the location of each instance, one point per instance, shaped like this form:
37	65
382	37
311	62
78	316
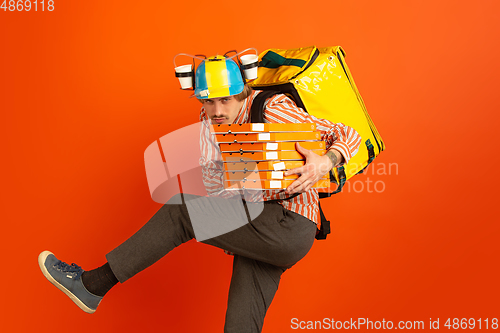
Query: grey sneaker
67	279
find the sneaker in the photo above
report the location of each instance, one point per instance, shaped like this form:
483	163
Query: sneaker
67	279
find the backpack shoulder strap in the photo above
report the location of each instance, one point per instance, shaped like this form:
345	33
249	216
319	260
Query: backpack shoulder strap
257	108
325	225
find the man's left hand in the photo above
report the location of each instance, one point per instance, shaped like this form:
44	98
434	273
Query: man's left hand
313	170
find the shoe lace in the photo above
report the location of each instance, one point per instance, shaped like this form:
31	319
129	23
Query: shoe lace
72	269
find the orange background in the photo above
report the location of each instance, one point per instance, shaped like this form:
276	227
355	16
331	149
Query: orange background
87	87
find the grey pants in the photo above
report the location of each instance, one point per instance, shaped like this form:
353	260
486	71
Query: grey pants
264	248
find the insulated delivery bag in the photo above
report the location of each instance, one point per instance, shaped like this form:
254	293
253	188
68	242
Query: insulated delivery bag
319	81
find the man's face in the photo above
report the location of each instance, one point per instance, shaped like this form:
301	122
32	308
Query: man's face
222	110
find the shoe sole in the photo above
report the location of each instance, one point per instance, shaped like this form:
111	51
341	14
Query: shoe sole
41	262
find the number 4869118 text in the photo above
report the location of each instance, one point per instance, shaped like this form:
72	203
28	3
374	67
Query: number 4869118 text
27	5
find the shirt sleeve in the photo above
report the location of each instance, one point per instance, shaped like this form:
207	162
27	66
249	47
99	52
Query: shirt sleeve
281	109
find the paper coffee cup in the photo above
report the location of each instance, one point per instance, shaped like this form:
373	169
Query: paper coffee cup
185	75
250	65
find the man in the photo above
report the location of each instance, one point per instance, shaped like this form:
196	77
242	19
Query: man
263	248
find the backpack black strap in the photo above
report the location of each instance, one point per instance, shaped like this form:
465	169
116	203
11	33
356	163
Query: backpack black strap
257	109
325	225
371	154
342	179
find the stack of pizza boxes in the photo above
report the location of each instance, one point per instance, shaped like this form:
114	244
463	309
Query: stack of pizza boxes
256	155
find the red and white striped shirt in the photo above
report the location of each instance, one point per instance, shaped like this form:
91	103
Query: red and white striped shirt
278	109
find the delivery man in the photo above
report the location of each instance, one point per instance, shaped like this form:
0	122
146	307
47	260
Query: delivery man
264	247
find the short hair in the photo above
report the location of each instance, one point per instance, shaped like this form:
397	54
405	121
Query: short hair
247	91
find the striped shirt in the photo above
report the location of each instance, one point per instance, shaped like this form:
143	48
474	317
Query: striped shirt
278	109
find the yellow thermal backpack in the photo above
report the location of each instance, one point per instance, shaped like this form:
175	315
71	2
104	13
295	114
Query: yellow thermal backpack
319	81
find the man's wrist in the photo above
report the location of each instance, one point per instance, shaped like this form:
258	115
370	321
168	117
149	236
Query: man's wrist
335	157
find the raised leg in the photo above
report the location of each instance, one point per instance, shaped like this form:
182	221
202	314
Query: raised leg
253	286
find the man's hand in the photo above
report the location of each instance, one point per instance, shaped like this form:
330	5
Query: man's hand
314	169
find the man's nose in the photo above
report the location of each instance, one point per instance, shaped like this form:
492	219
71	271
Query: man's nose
218	111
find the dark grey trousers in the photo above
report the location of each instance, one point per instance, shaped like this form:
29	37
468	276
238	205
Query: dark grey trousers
264	248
